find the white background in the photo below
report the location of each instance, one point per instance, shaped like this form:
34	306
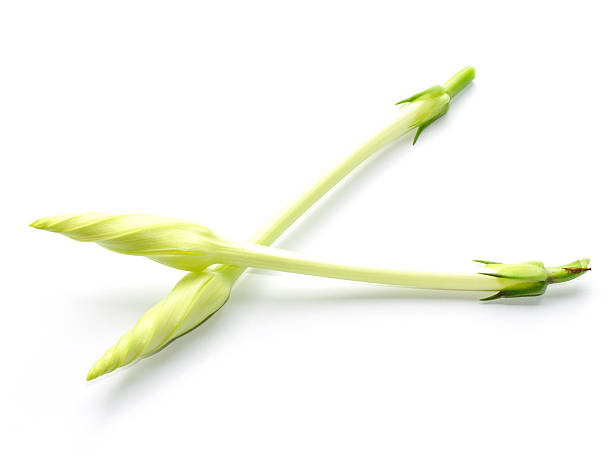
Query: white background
220	112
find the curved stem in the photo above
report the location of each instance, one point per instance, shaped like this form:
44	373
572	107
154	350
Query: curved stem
264	257
280	222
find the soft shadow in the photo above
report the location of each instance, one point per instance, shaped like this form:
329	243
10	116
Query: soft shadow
141	376
136	379
252	287
119	303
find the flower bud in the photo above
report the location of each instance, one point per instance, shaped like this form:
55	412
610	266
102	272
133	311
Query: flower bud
193	300
531	278
169	241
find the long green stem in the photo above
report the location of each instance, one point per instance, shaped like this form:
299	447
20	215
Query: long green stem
277	259
398	127
401	125
280	222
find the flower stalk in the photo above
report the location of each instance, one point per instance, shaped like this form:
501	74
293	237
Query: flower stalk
188	246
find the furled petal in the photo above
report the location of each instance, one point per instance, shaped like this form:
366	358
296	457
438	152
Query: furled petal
195	298
185	244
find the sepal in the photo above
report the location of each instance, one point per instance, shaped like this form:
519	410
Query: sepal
533	271
526	289
431	92
427	123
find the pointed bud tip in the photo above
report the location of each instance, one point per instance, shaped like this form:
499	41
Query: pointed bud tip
95	372
578	267
40	223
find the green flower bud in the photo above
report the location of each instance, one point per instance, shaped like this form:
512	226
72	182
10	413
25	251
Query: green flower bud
169	241
531	278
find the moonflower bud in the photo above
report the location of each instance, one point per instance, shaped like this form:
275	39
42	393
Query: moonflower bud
195	298
169	241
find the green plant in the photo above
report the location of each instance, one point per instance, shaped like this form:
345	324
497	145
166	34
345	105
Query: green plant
216	263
